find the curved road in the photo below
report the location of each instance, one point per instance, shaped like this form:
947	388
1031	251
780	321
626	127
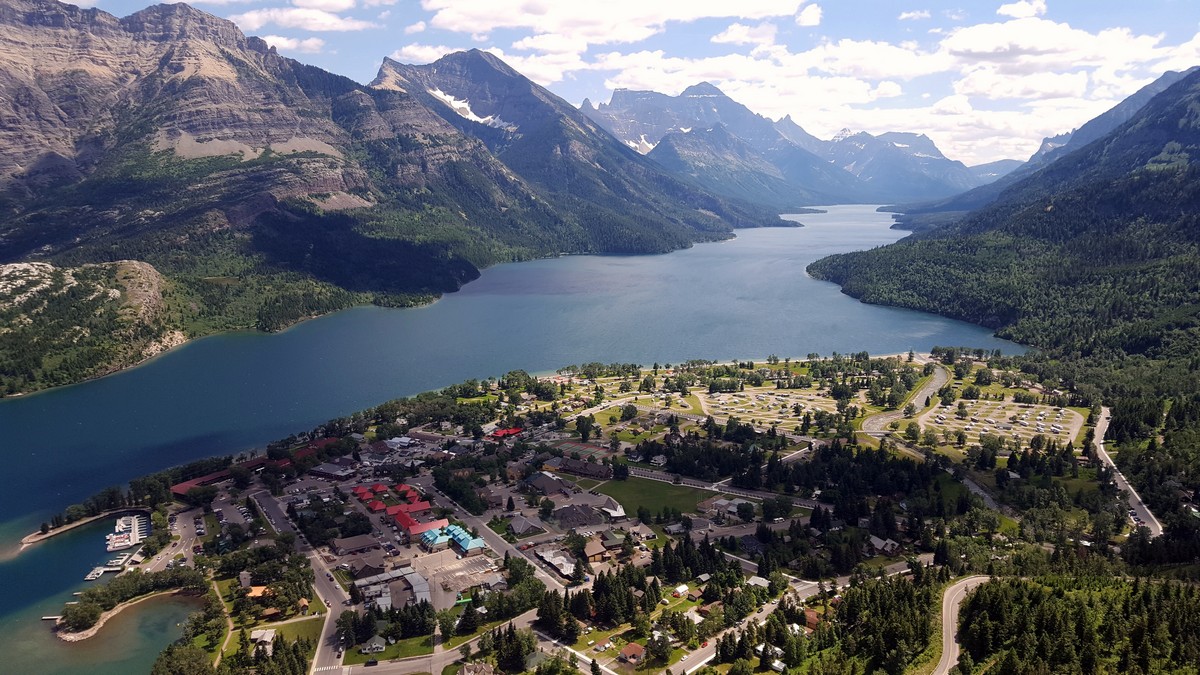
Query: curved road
951	601
878	424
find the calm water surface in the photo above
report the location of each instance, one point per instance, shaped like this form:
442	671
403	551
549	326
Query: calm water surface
748	297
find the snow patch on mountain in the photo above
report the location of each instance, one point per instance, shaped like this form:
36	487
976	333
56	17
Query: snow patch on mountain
463	108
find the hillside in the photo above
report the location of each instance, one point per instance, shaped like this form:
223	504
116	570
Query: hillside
1095	253
266	191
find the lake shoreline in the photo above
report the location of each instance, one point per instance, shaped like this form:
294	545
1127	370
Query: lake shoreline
90	632
175	339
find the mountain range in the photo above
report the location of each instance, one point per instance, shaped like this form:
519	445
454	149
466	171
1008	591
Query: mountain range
265	190
727	148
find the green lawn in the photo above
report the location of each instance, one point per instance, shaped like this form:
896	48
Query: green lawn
587	483
414	646
654	495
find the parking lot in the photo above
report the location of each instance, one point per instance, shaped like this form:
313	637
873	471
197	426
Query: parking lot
1020	422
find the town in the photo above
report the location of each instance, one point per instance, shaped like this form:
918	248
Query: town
617	519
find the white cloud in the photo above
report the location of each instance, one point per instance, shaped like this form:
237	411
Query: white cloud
384	14
421	53
325	5
989	82
414	28
287	44
914	15
377	3
809	15
85	3
298	17
1025	46
614	21
1023	9
740	34
194	2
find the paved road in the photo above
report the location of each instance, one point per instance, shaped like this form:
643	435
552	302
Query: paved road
721	487
1135	502
878	423
951	602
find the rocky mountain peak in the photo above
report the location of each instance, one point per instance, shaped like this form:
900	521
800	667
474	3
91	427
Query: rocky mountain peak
702	89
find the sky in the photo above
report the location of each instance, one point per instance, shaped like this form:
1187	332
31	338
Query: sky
986	80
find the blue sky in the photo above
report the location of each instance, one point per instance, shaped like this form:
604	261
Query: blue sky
985	79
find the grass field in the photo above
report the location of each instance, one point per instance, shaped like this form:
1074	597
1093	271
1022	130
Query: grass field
654	495
414	646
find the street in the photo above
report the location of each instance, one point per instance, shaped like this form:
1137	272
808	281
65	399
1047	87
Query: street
1135	502
951	602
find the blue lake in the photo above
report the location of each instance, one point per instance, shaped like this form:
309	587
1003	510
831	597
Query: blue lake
748	297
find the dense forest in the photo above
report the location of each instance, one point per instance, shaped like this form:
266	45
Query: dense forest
1080	624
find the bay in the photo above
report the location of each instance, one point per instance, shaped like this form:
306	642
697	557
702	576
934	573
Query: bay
747	297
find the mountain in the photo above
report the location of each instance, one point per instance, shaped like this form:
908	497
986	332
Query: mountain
612	190
1095	254
850	168
921	216
264	190
898	165
642	118
720	161
992	171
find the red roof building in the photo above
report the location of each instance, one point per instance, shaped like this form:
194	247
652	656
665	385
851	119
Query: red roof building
504	433
378	487
413	528
376	506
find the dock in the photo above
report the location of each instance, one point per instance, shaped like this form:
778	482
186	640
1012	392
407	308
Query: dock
98	572
51	618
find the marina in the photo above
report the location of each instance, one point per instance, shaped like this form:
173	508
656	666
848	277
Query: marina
129	532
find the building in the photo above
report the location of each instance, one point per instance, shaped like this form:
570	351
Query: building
594	550
399	588
452	535
477	669
586	469
548	484
558	558
633	653
574	516
367	565
352	545
613	510
264	639
758	581
373	646
883	546
244	578
331	471
520	525
611	540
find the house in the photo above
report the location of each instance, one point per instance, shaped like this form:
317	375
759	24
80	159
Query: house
573	516
257	592
675	529
263	638
704	578
495	582
520	525
586	469
811	619
706	610
270	614
611	540
758	581
695	594
367	565
477	669
700	524
679	591
355	544
244	578
642	532
594	550
514	471
613	509
548	484
493	497
884	546
658	460
632	653
302	605
373	646
376	506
